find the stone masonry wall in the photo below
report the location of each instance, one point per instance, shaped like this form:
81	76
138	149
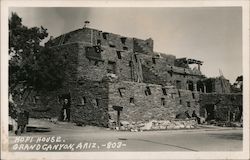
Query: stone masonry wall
95	37
157	68
225	106
92	69
160	71
222	85
143	46
90	104
159	105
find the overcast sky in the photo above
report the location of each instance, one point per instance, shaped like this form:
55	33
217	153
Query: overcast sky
213	35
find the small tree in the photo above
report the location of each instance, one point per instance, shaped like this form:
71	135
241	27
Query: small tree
30	63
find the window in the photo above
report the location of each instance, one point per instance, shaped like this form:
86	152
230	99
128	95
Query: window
193	95
125	48
83	100
130	63
111	45
99	42
97	102
188	104
164	91
119	54
147	91
171	71
153	60
123	40
131	100
190	85
163	101
178	84
105	35
180	101
111	67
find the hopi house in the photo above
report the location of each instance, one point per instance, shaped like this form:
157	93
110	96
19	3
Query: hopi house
112	77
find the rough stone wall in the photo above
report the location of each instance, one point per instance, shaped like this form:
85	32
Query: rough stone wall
90	103
92	69
157	68
217	85
181	62
137	106
160	71
222	85
170	59
224	105
95	37
117	42
80	35
143	46
93	99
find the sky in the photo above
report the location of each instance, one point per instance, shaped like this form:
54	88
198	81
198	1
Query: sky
209	34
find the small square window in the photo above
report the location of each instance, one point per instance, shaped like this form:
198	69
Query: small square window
119	54
111	67
164	91
193	95
111	45
130	63
99	42
188	104
163	102
132	100
123	40
147	91
125	48
153	60
105	35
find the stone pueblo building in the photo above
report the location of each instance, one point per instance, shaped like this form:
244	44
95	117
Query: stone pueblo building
112	80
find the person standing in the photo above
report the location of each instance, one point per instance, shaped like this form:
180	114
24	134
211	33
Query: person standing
196	117
66	110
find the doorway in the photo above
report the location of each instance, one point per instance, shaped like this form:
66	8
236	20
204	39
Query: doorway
210	112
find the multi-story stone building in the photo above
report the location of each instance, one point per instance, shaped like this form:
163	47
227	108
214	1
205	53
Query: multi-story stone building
109	76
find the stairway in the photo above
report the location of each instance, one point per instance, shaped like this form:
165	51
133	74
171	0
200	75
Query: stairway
136	69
